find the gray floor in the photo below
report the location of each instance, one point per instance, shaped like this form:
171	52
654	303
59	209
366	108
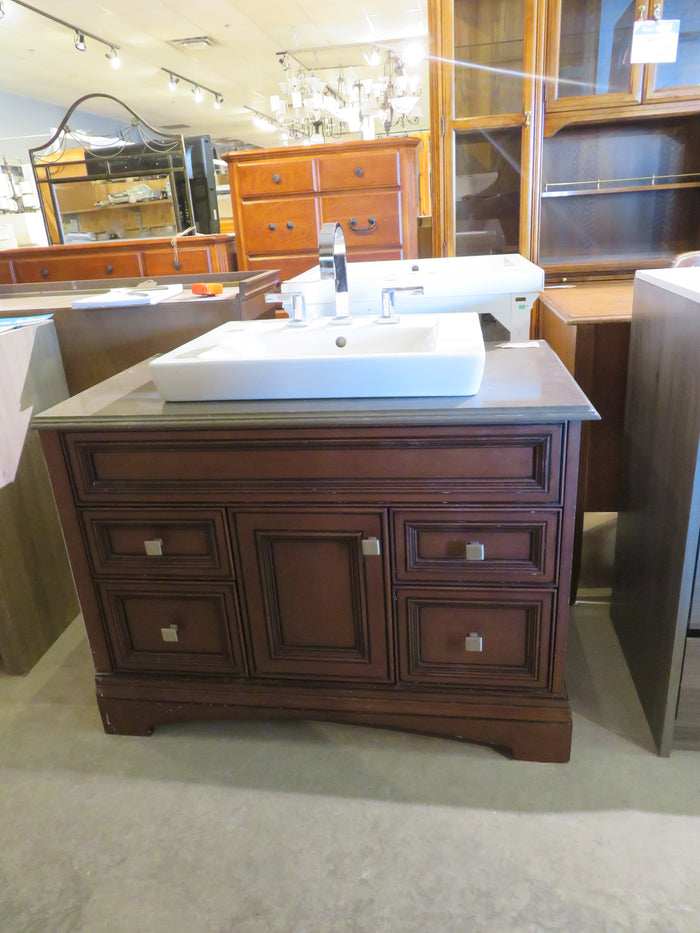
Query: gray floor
316	828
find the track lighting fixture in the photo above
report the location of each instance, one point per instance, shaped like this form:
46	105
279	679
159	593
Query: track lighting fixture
2	9
197	89
79	34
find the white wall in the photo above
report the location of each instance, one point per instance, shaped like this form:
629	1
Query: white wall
25	123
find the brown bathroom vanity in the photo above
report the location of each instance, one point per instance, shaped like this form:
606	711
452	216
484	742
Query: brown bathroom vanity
402	563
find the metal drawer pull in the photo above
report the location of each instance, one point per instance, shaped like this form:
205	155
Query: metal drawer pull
290	225
474	551
359	172
277	178
370	547
154	548
472	642
169	633
109	269
272	226
356	229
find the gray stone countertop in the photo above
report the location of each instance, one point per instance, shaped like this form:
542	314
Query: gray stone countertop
521	384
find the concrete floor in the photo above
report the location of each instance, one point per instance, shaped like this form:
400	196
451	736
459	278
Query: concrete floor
317	828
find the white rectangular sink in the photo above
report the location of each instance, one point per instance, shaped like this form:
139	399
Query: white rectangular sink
503	285
421	355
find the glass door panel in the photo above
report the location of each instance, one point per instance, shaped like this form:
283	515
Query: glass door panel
590	53
682	77
489	52
487	191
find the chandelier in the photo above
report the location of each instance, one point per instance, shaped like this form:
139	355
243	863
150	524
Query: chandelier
365	86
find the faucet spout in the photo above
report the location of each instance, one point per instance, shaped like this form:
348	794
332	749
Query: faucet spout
333	263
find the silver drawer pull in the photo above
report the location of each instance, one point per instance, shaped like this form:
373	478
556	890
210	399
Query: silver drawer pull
472	642
169	633
370	547
154	548
474	551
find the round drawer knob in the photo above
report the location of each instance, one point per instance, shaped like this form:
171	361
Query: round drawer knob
109	269
277	178
290	225
359	172
45	273
176	264
272	226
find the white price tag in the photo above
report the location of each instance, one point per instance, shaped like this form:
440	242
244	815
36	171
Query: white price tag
655	41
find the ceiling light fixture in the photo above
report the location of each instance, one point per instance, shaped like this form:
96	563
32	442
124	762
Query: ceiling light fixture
197	89
79	33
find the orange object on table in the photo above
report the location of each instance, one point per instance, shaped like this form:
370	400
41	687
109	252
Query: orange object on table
207	288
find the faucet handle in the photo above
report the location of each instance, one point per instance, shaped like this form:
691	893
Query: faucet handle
389	301
293	303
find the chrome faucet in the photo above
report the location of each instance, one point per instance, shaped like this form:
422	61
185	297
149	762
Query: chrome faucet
389	315
333	262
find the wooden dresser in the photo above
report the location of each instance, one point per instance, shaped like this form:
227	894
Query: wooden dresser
118	259
281	197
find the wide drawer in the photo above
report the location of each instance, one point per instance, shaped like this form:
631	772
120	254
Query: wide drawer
83	265
173	627
280	225
359	170
283	176
367	219
475	638
450	546
187	261
157	543
499	464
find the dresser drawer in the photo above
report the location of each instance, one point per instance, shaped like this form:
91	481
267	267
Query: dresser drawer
359	170
157	543
367	219
283	176
172	627
287	265
189	261
280	225
474	638
81	265
497	464
450	546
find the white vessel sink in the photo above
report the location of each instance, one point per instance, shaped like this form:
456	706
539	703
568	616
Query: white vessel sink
421	355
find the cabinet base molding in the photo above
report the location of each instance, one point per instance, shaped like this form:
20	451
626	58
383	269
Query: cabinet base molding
536	729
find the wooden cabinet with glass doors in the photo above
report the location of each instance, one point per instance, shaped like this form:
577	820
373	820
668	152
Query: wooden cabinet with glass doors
549	142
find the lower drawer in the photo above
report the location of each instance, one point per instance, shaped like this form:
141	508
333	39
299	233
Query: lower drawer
487	638
175	628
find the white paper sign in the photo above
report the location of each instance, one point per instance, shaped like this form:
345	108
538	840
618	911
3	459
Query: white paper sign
655	41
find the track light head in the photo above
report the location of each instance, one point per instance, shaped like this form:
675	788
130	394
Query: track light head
79	42
113	58
2	9
173	83
218	101
197	94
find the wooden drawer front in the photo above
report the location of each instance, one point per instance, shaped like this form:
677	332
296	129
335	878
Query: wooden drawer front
181	628
361	170
279	226
283	176
513	463
514	629
374	255
447	546
117	265
288	266
158	544
315	602
367	219
6	277
189	261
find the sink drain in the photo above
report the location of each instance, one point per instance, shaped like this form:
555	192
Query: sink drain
340	341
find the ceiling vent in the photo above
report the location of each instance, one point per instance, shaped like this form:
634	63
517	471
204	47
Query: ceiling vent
193	42
175	126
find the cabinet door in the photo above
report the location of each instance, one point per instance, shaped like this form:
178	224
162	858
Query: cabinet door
316	601
588	54
678	80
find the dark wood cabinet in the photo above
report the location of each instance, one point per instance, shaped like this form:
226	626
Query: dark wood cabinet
399	574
